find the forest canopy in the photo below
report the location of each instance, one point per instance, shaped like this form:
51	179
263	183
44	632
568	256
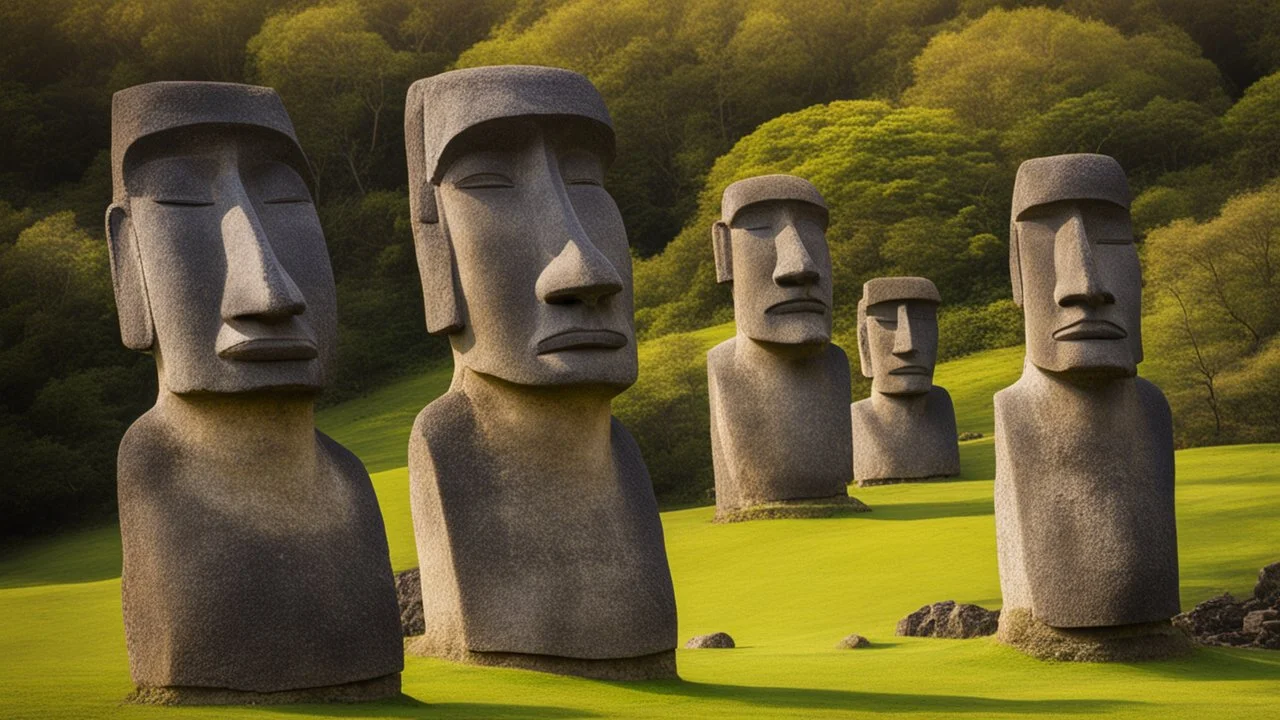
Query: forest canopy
911	116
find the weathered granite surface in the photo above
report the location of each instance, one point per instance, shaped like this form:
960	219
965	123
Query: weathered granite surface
778	389
712	641
948	619
409	593
537	529
255	559
1084	449
906	430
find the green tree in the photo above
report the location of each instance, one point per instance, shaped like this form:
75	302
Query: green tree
1212	293
343	85
1009	67
911	191
1253	124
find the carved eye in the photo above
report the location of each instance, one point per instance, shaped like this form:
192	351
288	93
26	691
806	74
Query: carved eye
584	181
280	184
480	181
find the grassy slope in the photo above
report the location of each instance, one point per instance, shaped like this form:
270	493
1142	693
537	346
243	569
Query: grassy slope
786	590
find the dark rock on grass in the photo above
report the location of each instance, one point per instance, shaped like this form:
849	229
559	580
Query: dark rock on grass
1268	588
714	640
1226	621
950	620
409	592
853	642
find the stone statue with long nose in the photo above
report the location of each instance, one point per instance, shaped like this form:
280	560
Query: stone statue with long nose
1085	526
906	430
779	389
255	559
537	528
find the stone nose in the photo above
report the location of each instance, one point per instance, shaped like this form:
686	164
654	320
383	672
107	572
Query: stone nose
1078	281
905	339
257	285
794	266
578	274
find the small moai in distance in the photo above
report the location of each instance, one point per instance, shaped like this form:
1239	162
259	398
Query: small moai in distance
779	389
1084	504
906	430
537	527
255	559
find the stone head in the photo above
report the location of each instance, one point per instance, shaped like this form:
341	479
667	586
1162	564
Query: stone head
1074	265
522	252
770	242
898	334
217	257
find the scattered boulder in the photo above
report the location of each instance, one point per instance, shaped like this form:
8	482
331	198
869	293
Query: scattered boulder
1226	621
950	620
409	592
714	640
1268	588
969	436
853	642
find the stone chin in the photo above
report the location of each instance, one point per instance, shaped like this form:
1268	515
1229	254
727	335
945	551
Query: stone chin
288	376
1088	359
612	370
916	384
808	328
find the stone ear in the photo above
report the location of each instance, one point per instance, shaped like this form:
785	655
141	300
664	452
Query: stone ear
133	306
864	345
1015	264
723	249
436	266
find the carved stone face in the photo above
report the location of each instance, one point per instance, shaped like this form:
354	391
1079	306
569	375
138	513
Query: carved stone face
1081	286
543	266
234	266
899	338
781	273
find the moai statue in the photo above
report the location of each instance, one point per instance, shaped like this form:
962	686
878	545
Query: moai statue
537	528
255	559
1084	448
906	429
779	389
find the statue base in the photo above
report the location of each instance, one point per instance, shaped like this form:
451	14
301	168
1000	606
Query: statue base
1121	643
658	666
805	508
897	480
379	688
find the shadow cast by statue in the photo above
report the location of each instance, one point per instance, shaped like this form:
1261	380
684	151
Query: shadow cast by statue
873	702
1219	663
407	706
928	510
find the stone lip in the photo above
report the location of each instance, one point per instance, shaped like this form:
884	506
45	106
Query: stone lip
717	640
409	593
784	509
948	619
379	688
853	642
1121	643
1227	622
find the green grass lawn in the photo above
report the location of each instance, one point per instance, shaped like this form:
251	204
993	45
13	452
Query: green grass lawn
787	591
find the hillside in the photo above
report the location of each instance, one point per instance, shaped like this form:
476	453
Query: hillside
376	427
786	590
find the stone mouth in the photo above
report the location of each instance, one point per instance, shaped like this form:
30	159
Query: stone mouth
1090	330
797	305
270	350
910	370
579	339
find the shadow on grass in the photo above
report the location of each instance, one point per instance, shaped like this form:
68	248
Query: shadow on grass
873	702
928	510
410	707
78	556
1219	663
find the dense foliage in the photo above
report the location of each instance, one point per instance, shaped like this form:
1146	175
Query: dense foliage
911	115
